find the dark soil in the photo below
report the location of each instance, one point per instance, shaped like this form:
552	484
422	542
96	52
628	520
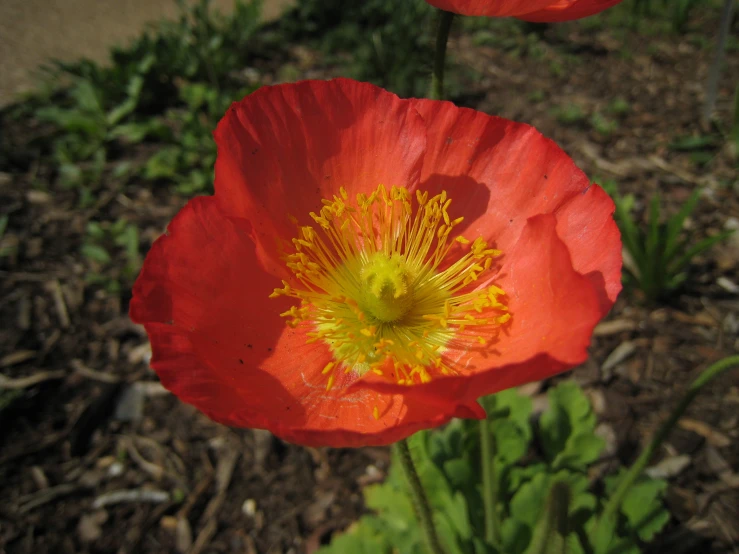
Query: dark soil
85	417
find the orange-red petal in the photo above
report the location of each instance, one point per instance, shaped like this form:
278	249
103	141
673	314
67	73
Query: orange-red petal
284	148
554	309
501	173
219	343
529	10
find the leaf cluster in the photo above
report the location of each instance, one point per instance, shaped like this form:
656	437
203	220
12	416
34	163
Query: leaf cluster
104	241
660	251
678	11
385	42
170	87
530	461
188	155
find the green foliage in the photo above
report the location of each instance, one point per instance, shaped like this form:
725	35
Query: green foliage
386	42
201	45
569	114
103	242
619	106
170	86
660	253
448	463
188	157
87	122
676	11
602	124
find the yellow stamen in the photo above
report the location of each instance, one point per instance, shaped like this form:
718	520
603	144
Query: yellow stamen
380	281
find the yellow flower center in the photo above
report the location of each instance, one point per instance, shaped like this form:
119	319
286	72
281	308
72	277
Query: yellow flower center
381	283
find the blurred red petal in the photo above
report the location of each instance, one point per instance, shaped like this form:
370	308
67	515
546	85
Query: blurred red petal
530	10
568	11
492	8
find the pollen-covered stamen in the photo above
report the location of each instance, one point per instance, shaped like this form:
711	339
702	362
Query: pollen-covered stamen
387	292
379	285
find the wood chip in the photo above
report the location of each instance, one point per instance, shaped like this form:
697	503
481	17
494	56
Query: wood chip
59	304
712	436
93	374
614	327
183	535
618	355
669	467
33	501
17	357
150	496
31	380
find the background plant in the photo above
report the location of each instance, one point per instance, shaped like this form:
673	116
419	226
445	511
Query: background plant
661	251
532	455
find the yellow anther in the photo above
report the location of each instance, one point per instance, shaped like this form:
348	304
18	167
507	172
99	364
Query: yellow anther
379	281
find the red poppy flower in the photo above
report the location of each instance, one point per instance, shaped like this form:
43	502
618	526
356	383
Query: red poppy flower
542	11
370	266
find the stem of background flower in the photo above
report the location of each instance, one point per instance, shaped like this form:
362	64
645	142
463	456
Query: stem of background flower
420	500
442	34
489	484
614	503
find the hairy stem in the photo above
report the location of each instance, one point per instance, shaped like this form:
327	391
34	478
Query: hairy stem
420	500
713	371
489	484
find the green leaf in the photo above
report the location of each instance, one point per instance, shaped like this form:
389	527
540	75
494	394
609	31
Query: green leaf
511	442
194	95
581	451
552	529
122	169
652	266
515	536
360	538
643	508
691	143
555	429
675	226
132	133
72	121
458	514
95	253
129	240
629	231
86	96
95	230
70	175
3	225
696	249
459	472
528	501
163	164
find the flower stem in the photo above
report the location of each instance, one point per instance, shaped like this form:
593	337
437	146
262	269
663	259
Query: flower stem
617	498
489	484
442	34
420	500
